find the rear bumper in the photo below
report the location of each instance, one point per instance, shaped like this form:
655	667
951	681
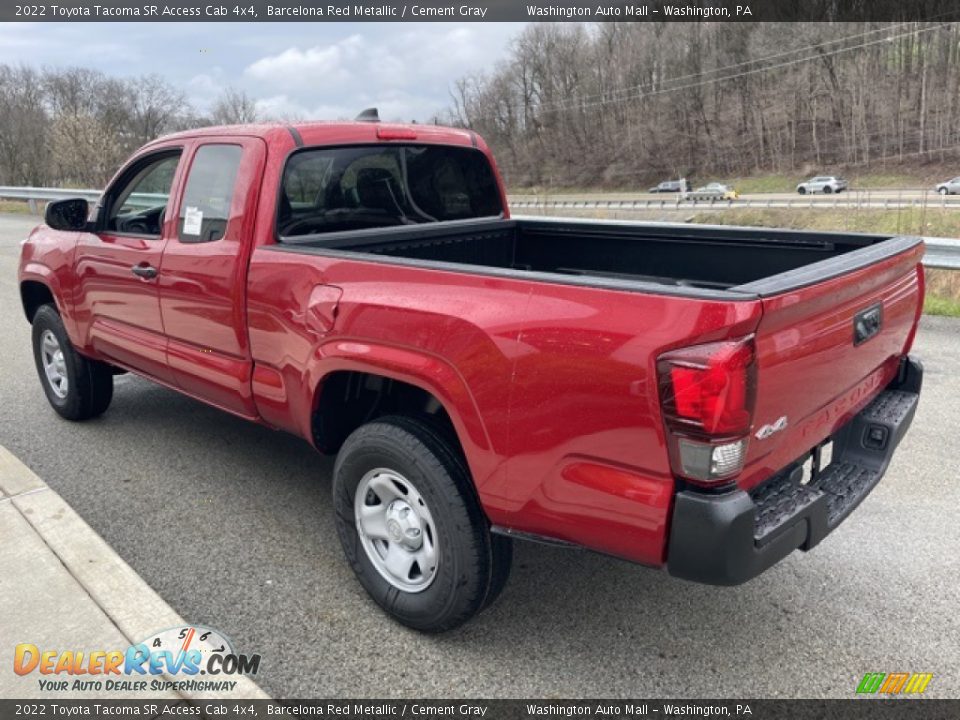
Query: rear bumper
729	538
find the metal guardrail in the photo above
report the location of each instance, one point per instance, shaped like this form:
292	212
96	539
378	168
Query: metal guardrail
941	252
827	202
34	194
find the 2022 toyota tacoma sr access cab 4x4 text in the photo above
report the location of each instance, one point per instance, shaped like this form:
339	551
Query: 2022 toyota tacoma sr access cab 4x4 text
660	393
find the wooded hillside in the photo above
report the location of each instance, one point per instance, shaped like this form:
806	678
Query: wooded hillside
625	104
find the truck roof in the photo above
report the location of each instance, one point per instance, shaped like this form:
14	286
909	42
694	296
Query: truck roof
337	132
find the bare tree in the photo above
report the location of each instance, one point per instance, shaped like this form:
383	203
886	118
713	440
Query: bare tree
154	107
24	124
85	151
234	107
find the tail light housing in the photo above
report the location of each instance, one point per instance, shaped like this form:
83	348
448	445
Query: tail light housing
707	394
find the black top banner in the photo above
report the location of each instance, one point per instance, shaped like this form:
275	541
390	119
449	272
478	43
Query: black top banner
490	11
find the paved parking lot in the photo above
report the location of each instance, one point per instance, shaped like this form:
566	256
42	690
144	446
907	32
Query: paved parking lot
231	524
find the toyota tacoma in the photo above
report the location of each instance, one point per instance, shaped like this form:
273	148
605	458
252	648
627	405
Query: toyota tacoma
701	399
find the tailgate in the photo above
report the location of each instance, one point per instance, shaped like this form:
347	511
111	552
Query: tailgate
815	369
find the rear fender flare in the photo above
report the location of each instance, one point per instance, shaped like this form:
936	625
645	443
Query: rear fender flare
429	372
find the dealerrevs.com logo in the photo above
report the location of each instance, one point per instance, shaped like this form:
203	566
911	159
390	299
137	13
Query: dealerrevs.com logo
190	658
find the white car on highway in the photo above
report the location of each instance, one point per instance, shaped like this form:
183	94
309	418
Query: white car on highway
949	187
822	183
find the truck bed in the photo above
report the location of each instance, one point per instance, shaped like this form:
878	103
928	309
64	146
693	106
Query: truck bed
672	256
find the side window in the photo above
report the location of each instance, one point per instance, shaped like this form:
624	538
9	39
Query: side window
306	178
205	208
138	203
348	188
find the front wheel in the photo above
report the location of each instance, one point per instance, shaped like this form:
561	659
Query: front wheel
827	190
411	526
76	387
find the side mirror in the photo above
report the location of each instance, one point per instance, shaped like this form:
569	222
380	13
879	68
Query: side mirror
70	214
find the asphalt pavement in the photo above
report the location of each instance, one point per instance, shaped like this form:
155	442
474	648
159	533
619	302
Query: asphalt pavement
231	524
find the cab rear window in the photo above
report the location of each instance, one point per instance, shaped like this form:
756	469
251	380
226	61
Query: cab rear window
360	187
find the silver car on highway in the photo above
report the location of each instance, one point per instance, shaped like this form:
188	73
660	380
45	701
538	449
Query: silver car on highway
949	187
712	191
823	183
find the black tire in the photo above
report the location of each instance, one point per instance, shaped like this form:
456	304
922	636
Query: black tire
802	190
472	565
943	191
827	189
89	383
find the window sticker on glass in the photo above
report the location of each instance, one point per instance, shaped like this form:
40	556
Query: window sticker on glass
192	221
208	196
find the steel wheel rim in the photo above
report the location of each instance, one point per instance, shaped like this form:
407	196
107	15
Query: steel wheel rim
396	530
54	364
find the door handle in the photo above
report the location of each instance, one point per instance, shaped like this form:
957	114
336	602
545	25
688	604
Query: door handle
867	323
144	271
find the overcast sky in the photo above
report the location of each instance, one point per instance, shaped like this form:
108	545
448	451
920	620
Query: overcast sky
309	70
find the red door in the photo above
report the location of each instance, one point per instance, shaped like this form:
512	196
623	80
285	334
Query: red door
117	266
202	277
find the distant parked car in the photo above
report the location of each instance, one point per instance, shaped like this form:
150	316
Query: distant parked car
672	186
822	183
713	191
950	187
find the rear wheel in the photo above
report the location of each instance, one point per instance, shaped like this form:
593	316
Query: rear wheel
76	387
943	191
802	190
412	528
827	189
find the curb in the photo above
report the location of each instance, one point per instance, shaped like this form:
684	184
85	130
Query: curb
125	598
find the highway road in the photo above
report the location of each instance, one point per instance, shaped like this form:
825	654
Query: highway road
672	202
231	524
904	196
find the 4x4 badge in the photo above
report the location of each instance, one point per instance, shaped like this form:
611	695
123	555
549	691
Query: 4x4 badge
775	427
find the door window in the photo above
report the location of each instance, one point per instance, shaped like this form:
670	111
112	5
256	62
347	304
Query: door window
138	203
205	209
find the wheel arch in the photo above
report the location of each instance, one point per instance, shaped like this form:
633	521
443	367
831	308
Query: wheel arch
35	291
389	381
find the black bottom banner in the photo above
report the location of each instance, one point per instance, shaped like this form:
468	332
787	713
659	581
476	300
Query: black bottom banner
874	709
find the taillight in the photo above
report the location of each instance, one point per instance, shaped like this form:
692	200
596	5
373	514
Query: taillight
707	396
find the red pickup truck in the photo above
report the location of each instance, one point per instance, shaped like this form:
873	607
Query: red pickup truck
704	399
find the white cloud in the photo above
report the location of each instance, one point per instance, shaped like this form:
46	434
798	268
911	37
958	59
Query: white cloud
406	73
204	88
295	67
